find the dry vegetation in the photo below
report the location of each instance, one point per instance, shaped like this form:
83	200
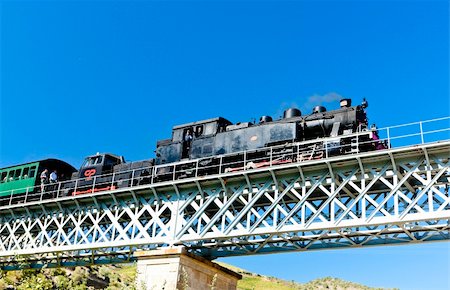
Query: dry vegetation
252	281
79	278
115	277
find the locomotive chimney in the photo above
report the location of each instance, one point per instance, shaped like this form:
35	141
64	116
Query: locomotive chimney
319	109
345	103
291	113
265	119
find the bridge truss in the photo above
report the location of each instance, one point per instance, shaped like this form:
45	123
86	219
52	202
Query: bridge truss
393	196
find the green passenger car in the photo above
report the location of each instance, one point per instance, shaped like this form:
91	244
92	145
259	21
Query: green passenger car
20	179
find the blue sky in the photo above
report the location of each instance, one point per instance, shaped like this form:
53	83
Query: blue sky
79	77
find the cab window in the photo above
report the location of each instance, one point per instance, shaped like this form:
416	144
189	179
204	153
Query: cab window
198	131
210	129
93	161
110	161
177	135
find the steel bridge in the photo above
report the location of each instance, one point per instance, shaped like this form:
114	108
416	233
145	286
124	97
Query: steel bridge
392	196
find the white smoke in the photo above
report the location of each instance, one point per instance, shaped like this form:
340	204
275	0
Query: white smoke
320	100
312	101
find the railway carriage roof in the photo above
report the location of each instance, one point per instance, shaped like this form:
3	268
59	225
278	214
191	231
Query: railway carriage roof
38	161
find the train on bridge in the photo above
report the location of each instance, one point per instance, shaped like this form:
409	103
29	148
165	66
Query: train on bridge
201	148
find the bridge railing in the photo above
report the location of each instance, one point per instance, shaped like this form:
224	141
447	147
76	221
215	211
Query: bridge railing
416	133
295	152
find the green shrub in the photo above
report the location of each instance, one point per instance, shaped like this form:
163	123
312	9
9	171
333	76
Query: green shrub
36	282
61	282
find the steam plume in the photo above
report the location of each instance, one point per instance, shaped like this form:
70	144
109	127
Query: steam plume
319	100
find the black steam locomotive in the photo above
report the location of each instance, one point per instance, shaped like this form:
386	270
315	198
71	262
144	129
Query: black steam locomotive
219	136
216	146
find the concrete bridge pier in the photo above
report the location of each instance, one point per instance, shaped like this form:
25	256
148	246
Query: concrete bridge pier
175	269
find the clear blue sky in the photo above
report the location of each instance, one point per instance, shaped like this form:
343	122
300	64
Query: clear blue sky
79	77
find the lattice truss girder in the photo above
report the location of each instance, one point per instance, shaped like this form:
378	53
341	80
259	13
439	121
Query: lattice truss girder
403	199
346	203
414	232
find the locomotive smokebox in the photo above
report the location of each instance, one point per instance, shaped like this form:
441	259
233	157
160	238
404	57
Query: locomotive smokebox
291	113
319	109
346	103
265	119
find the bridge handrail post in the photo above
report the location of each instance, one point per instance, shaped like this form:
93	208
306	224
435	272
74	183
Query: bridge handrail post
112	179
11	197
26	195
388	137
421	132
59	188
271	156
42	193
75	187
357	143
326	149
245	160
132	177
153	174
220	164
93	184
173	175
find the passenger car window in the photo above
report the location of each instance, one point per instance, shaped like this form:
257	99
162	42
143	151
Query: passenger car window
17	173
32	171
3	176
25	172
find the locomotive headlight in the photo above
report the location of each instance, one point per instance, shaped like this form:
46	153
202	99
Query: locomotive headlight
345	103
254	138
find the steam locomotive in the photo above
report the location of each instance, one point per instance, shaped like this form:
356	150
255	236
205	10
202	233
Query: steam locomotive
216	145
219	136
217	141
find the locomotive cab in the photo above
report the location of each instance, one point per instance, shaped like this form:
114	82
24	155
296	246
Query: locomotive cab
99	164
185	136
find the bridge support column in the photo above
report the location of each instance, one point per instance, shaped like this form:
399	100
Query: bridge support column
173	268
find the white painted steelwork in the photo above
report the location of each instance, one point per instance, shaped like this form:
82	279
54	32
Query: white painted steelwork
384	197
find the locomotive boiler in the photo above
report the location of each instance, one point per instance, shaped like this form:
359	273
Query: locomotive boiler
218	136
